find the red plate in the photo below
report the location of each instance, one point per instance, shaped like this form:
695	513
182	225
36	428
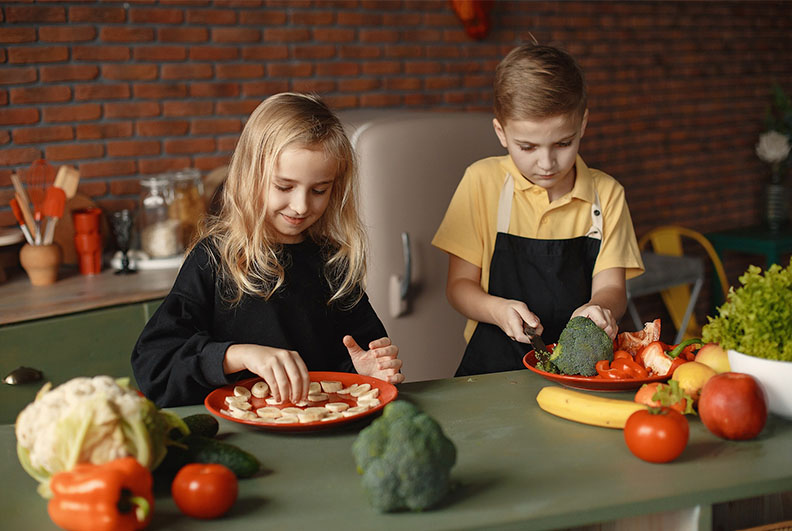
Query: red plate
589	383
215	401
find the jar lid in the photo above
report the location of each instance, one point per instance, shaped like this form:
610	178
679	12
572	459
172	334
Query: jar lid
187	174
153	182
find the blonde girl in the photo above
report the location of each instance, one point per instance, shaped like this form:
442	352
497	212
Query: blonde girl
273	287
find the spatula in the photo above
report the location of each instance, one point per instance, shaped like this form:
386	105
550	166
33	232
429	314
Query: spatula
67	180
52	208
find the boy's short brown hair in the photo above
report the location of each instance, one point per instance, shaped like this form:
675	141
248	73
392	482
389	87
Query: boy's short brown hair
535	81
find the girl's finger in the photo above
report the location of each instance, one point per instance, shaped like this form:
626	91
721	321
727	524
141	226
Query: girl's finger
282	383
381	342
297	374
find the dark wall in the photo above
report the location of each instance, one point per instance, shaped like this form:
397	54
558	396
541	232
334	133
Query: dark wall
678	90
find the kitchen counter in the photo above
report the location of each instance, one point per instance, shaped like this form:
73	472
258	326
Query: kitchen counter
518	468
73	292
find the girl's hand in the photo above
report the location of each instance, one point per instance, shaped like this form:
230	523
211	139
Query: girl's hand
380	361
509	315
601	316
283	370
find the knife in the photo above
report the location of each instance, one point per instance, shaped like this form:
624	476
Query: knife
536	339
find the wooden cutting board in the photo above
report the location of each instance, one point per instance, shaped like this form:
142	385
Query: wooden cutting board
64	230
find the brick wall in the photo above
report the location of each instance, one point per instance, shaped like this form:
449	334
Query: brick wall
126	89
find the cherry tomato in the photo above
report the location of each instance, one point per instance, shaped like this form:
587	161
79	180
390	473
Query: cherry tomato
657	435
647	392
204	490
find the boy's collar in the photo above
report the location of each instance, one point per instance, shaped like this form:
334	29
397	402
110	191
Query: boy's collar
582	189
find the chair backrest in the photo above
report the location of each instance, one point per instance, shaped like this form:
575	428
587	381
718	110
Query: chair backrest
667	239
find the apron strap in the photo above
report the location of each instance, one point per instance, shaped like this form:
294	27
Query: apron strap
505	206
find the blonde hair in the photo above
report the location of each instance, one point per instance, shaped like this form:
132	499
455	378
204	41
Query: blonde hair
535	81
247	250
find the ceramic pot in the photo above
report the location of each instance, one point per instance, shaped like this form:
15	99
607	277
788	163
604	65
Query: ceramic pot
41	263
775	376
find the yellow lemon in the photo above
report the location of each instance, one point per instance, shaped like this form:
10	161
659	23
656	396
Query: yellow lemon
692	376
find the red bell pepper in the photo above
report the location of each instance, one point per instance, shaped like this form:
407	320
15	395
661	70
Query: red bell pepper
114	496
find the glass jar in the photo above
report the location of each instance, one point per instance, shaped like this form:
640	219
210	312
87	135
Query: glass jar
160	233
188	204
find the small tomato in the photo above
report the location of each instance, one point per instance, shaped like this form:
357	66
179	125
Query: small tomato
204	490
657	435
658	394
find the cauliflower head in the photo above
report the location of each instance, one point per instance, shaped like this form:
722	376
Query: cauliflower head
581	345
405	459
90	420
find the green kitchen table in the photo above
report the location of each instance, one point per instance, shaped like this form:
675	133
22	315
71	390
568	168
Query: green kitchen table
518	468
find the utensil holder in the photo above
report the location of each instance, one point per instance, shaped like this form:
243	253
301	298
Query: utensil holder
41	263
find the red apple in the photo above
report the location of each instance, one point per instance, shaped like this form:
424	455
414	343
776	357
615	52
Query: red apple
733	406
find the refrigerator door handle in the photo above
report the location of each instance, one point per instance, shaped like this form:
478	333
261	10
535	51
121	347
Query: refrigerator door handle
400	285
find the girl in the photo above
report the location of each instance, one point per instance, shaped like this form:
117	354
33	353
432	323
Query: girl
274	285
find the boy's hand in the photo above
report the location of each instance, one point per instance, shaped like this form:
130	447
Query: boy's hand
380	361
509	315
601	316
283	370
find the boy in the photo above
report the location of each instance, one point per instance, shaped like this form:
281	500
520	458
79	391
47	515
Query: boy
535	237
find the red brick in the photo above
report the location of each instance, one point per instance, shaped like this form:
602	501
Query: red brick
381	67
18	116
227	143
264	88
265	53
158	53
156	16
182	146
240	107
74	152
133	148
163	128
5	137
125	187
400	20
160	91
36	14
359	84
312	18
313	86
153	166
18	156
17	75
186	108
107	168
17	35
289	69
336	69
334	35
287	35
122	34
3	97
312	51
421	35
423	67
238	71
214	90
132	110
378	35
92	188
93	91
69	73
208	164
403	83
186	71
441	83
380	100
39	54
101	53
213	53
35	135
358	19
235	34
404	51
73	113
211	16
360	52
182	34
262	18
97	14
130	72
104	130
40	94
66	33
215	126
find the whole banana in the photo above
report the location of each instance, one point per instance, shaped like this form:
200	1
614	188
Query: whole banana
585	408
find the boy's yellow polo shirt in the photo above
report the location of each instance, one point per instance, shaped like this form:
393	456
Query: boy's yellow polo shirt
469	227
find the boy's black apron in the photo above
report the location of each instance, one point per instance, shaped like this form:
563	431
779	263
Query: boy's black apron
552	277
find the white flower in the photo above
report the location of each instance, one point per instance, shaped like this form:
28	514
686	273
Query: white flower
773	147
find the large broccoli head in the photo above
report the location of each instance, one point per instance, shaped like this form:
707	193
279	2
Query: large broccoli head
405	459
581	345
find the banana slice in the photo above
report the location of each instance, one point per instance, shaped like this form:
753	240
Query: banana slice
286	419
332	416
314	387
336	407
241	391
260	390
357	410
331	386
361	389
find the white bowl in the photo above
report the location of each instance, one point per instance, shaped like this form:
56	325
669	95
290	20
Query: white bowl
775	376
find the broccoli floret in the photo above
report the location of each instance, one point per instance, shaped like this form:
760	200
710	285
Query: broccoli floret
581	345
405	459
543	362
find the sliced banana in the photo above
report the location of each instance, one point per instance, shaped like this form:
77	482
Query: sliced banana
332	416
347	390
357	410
260	390
269	412
242	391
331	386
362	388
371	393
368	403
237	401
286	419
314	387
336	407
272	402
318	397
291	410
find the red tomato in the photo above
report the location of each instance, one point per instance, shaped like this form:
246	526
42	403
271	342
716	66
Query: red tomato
657	435
204	490
645	395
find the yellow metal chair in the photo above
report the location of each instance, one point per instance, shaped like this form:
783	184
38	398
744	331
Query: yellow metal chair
667	240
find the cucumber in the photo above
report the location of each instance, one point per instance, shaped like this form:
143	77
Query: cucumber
202	424
206	450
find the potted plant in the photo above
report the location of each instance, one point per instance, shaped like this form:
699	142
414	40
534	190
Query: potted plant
774	148
754	326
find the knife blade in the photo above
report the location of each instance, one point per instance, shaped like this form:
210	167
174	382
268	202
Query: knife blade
536	339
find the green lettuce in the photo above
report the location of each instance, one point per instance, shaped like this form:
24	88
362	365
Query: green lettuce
756	318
